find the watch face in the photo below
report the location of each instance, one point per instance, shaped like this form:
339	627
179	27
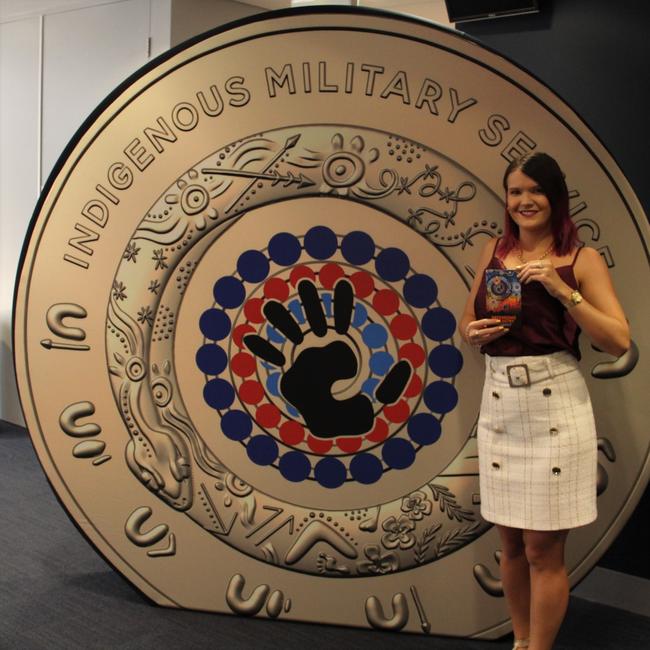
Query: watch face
236	321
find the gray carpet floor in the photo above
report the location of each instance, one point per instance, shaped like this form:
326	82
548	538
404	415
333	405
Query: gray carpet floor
57	593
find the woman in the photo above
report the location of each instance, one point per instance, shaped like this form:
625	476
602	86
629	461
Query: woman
536	434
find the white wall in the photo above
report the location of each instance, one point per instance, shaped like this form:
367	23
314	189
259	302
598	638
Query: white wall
58	60
19	68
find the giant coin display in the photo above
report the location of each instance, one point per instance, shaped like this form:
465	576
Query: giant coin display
236	321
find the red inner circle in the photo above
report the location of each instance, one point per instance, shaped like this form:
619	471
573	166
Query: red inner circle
415	387
251	392
386	302
299	272
239	332
403	327
268	415
363	284
413	353
243	364
379	431
292	432
317	445
253	310
277	289
398	412
329	274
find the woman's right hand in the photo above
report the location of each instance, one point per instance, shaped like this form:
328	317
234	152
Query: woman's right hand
483	331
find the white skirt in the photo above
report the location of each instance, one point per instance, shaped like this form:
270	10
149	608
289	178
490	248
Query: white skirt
537	443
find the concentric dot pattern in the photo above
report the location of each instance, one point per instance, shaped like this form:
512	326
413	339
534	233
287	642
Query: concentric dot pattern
396	314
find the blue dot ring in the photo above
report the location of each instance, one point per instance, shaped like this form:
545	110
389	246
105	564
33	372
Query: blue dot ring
229	292
237	425
253	266
294	466
392	264
284	249
445	361
320	242
215	324
330	472
357	248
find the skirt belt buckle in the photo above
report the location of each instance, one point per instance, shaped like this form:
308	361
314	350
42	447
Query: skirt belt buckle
518	375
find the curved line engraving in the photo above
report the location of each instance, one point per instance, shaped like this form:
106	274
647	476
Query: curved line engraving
88	448
489	583
602	476
245	606
605	445
377	618
77	411
620	367
274	604
164	552
133	525
54	319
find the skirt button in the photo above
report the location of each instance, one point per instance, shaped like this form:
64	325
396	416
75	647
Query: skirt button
495	395
546	392
553	431
556	471
496	466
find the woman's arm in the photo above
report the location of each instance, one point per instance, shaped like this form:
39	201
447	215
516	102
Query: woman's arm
600	314
487	329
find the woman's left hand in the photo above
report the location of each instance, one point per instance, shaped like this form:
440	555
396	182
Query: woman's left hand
543	271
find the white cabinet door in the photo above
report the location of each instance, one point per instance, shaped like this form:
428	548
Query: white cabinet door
18	173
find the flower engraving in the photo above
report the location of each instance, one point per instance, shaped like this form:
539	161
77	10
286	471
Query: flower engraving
378	563
416	505
119	290
131	253
399	532
160	259
145	315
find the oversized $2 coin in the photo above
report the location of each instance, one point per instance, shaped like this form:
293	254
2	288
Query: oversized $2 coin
235	322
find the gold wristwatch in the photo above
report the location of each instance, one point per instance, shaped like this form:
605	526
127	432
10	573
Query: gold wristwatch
574	299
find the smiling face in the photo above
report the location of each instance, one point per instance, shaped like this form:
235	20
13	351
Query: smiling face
527	204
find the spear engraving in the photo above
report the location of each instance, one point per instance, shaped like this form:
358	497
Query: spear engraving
265	174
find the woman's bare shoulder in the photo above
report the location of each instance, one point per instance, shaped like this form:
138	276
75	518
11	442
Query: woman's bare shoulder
589	253
489	250
588	257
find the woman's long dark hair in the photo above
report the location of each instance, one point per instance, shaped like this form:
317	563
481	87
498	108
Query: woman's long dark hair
547	173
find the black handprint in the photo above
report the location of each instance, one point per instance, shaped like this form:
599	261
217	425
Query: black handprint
307	384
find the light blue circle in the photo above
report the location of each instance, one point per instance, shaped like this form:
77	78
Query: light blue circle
359	315
295	307
273	335
326	299
375	335
368	387
272	384
381	362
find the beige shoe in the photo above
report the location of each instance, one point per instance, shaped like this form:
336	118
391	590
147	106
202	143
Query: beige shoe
520	643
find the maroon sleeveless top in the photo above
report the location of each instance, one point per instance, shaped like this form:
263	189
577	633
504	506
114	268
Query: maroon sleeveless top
543	326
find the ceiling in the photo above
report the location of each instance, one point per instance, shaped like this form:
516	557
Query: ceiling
431	9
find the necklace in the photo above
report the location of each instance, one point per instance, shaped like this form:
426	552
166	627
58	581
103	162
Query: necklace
520	254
